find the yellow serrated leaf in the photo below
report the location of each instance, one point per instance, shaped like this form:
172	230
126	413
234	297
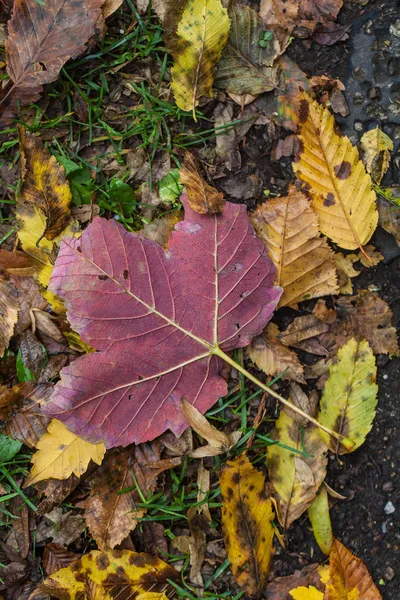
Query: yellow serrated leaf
306	593
304	261
202	33
318	513
120	572
377	147
349	577
247	524
350	396
62	453
341	190
295	478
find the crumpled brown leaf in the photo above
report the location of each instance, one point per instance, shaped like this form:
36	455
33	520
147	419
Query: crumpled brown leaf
56	557
9	308
202	197
280	587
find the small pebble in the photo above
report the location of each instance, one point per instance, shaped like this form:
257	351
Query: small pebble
389	574
388	486
389	508
386	376
358	126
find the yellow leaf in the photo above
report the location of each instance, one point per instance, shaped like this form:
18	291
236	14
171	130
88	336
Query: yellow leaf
318	513
341	190
202	197
9	308
346	271
76	343
61	453
246	522
44	184
350	396
295	477
121	573
304	261
306	593
349	577
202	33
377	147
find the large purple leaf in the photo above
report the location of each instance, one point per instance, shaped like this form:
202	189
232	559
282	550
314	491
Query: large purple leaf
156	318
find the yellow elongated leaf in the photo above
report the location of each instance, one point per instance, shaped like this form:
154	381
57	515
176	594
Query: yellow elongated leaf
44	184
349	400
9	308
318	513
306	593
272	357
61	453
105	575
341	190
349	577
295	477
377	147
246	522
202	33
304	261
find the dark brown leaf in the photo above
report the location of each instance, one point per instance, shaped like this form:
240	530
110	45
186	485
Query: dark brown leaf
55	557
56	491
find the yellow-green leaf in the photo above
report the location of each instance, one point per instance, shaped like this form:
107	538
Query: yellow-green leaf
297	474
61	453
112	574
247	524
306	593
202	33
377	147
318	513
341	190
349	400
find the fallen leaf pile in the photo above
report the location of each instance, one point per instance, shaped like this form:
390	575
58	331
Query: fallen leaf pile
141	351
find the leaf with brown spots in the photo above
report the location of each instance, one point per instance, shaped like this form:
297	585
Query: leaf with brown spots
272	357
296	475
247	524
40	41
303	259
279	12
111	515
340	189
292	81
349	400
202	197
349	577
112	574
377	147
61	453
201	35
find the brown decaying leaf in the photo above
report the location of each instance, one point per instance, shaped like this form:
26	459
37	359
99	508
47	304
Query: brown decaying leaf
9	308
19	535
348	573
61	527
203	198
160	229
280	587
304	261
375	257
20	410
55	557
29	298
40	41
389	218
302	334
194	545
15	263
272	357
55	492
312	12
44	183
293	80
32	353
111	516
279	12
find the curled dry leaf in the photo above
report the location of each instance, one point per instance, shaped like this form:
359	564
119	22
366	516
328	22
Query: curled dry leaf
247	524
279	12
335	177
272	357
61	454
349	577
318	513
246	66
377	147
303	332
162	310
55	492
349	400
55	557
374	255
29	298
389	218
130	574
9	308
218	441
280	587
15	263
45	184
40	41
202	33
111	515
295	477
303	259
202	197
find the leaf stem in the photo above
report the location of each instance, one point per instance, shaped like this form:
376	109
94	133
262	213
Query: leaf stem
343	440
